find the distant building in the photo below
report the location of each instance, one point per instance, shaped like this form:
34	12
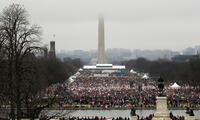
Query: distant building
189	51
52	52
198	52
197	56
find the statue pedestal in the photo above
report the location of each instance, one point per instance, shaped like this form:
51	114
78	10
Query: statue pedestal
133	117
161	109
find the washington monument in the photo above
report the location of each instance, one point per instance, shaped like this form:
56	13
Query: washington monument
101	62
101	43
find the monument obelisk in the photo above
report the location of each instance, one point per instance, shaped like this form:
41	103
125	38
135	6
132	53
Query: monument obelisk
101	65
101	44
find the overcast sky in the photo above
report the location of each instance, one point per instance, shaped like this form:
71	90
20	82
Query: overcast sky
132	24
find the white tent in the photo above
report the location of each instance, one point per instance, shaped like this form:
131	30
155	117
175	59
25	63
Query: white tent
80	69
77	73
175	85
71	78
132	71
145	76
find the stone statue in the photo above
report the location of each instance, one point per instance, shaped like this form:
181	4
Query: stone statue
161	87
191	113
188	110
133	112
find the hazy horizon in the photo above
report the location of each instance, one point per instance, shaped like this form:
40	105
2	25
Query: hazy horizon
146	25
95	49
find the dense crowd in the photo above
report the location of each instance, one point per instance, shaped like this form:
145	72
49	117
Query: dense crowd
117	118
119	90
89	118
116	90
185	96
176	117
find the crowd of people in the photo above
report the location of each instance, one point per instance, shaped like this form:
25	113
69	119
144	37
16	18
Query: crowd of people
120	90
87	118
185	96
176	117
115	90
113	118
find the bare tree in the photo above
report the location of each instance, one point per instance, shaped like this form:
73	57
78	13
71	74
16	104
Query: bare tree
20	40
2	41
27	76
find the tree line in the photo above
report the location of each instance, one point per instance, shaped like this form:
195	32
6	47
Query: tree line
24	74
187	72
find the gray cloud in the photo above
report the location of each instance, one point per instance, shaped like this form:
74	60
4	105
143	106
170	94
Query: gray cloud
134	24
